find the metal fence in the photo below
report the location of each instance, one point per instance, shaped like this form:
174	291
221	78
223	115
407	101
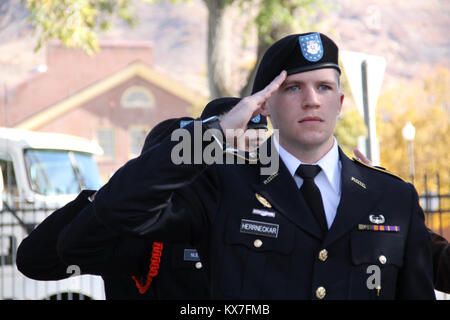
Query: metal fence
14	227
434	197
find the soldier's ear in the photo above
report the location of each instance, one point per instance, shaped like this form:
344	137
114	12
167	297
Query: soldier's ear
342	101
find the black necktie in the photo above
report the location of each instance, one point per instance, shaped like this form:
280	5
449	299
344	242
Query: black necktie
311	193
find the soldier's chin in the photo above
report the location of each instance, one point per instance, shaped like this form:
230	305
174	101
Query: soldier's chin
312	140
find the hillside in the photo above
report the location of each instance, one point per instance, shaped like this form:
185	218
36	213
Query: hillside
412	35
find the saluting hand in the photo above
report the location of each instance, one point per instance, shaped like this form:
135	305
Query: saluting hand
234	123
361	157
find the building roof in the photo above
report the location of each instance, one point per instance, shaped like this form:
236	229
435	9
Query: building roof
136	69
72	77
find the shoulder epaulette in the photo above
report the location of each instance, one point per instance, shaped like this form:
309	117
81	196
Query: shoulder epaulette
377	169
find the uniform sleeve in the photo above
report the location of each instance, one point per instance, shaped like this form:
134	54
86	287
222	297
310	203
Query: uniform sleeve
416	275
98	250
37	257
441	262
156	197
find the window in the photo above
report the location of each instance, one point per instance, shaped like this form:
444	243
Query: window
137	97
9	178
105	138
54	172
8	245
137	139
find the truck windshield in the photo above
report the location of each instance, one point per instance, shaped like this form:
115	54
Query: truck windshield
54	172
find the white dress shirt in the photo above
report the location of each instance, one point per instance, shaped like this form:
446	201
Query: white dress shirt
328	180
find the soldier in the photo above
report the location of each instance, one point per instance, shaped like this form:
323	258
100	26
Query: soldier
441	262
37	255
72	235
175	268
317	227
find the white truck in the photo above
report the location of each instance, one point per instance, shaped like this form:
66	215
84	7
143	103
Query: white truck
41	173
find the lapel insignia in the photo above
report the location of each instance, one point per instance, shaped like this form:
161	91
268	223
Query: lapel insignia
263	200
358	182
264	213
372	227
270	178
377	219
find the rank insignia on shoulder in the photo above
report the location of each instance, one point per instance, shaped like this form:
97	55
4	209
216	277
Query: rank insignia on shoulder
264	213
371	227
379	169
358	182
263	200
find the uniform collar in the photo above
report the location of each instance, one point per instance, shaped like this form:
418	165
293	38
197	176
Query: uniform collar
329	163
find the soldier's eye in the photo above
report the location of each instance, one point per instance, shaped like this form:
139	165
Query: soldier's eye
324	87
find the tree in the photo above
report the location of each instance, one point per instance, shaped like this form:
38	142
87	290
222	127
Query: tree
272	19
426	104
277	18
349	127
350	124
76	23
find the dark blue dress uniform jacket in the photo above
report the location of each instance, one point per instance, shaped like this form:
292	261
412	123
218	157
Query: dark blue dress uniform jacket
99	250
73	235
206	205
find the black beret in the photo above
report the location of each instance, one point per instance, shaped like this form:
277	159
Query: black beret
163	130
296	53
220	106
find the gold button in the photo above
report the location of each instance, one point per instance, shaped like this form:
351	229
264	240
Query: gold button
257	243
382	259
198	265
323	255
321	292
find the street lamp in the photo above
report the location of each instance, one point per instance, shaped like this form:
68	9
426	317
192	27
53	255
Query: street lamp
409	133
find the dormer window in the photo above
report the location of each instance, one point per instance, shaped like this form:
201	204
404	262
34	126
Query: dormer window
137	97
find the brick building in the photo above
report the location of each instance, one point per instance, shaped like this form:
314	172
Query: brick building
114	97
